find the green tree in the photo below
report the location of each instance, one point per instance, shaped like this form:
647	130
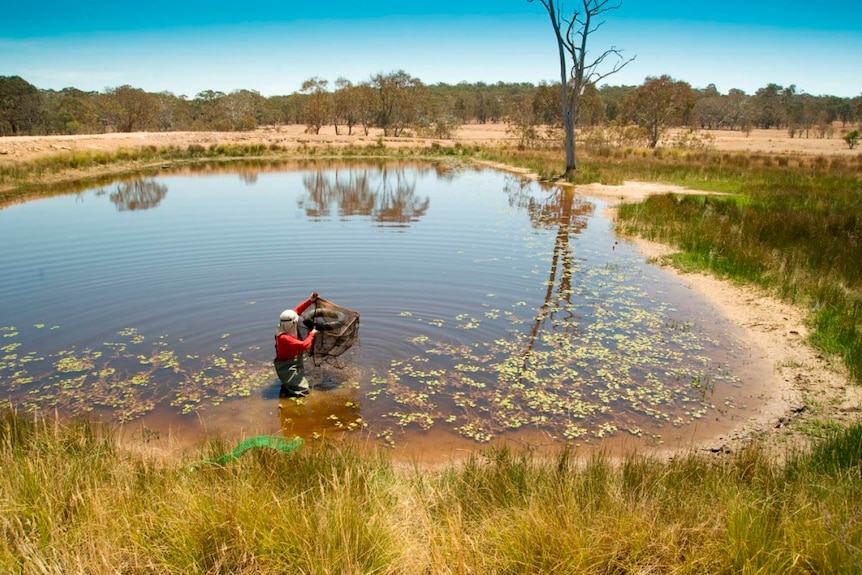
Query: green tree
174	112
20	106
366	99
767	106
208	111
739	113
317	110
347	105
659	104
71	111
591	109
546	104
130	109
244	109
399	101
285	109
576	71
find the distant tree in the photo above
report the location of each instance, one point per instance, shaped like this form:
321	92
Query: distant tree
572	38
173	113
317	110
399	101
767	106
613	98
738	110
20	106
285	109
710	111
852	138
71	111
546	104
659	104
347	105
208	111
591	109
366	101
244	109
856	109
838	109
130	109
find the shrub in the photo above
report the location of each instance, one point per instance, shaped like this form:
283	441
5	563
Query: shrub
852	138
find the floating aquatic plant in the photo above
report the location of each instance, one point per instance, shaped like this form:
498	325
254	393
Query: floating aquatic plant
125	378
610	359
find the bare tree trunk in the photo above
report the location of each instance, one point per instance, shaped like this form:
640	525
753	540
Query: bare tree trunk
572	37
568	108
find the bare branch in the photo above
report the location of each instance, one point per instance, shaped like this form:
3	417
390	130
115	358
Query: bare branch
572	35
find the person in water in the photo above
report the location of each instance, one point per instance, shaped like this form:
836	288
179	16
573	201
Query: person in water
290	350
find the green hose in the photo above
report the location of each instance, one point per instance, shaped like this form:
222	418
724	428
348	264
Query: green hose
271	441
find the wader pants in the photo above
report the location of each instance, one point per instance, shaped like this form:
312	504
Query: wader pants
291	372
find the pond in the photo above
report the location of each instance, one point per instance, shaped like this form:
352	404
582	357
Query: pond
492	309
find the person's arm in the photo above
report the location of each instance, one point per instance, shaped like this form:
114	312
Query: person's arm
304	305
288	347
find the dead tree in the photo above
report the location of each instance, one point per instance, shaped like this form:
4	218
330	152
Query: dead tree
572	35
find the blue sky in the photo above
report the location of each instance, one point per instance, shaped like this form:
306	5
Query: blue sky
188	46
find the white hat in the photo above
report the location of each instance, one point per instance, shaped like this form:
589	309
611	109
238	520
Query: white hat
289	315
287	323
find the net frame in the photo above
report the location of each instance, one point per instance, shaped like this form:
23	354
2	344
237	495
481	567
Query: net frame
337	330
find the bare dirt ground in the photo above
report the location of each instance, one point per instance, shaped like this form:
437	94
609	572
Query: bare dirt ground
23	148
805	390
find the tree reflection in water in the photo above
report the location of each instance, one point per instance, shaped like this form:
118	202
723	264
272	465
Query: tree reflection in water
141	194
569	213
386	195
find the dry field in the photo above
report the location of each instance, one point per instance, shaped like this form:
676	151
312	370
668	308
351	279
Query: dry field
22	148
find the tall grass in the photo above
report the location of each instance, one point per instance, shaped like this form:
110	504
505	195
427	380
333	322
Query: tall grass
797	234
72	502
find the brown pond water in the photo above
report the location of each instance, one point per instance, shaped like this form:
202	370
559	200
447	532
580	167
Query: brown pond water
493	309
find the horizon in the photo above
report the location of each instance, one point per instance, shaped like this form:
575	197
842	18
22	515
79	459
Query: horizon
193	46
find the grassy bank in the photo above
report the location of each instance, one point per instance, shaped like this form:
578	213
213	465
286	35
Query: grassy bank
74	503
791	224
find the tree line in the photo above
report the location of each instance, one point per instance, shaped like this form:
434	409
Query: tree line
399	103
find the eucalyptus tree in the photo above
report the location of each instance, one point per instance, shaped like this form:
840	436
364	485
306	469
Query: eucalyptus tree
208	111
245	109
20	106
130	109
317	110
856	108
399	101
285	109
767	106
346	105
659	104
739	110
173	112
576	70
71	111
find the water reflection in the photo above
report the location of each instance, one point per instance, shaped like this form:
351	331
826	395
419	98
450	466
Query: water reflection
569	213
134	195
386	195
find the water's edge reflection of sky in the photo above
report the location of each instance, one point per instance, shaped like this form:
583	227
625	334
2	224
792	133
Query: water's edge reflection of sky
491	308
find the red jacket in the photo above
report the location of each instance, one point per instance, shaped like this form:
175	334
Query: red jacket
288	347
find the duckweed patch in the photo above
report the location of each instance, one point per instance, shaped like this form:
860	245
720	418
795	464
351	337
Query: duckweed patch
592	364
125	377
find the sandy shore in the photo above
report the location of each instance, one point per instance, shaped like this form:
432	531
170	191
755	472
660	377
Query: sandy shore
803	387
